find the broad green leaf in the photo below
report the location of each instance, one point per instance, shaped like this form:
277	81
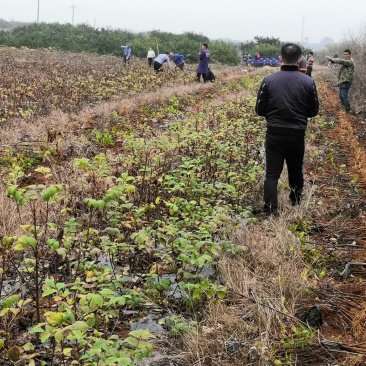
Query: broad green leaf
27	240
59	336
132	341
45	336
67	351
80	325
48	292
49	282
106	292
29	347
142	333
18	247
62	252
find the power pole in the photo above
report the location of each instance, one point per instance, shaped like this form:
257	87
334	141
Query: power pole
38	12
73	10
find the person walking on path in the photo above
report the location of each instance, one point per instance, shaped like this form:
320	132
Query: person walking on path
126	53
150	56
204	59
160	60
345	76
287	99
178	60
309	63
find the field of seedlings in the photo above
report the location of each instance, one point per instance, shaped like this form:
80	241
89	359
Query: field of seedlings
131	227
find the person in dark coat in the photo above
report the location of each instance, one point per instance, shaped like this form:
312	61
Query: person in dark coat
287	99
204	58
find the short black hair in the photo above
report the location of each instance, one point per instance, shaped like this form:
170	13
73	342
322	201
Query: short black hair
347	50
291	52
206	45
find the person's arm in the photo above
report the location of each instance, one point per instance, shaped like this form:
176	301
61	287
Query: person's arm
313	102
168	61
339	61
262	99
128	53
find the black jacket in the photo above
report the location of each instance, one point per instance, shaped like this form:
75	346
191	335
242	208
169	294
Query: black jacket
287	99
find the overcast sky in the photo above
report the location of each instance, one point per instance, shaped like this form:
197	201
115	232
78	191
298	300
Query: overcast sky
288	20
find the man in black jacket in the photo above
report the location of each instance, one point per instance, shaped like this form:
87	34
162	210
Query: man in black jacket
287	99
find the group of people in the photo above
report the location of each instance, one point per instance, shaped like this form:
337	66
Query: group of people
202	71
158	61
165	58
306	63
287	112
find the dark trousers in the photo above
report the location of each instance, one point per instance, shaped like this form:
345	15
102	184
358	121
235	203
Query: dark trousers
157	66
150	61
280	148
343	94
309	69
204	77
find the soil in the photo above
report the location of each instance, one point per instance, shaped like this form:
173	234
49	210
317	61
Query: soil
340	227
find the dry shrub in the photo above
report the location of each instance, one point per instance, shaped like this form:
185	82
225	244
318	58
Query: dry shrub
226	338
9	219
355	361
265	288
359	323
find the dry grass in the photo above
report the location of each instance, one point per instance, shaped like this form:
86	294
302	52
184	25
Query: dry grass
9	219
265	290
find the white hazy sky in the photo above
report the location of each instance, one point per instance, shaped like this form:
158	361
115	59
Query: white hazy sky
309	20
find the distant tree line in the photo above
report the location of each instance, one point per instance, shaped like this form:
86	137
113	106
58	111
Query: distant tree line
84	38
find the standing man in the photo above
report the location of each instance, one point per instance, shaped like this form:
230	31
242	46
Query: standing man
345	76
302	64
159	61
309	62
178	60
150	56
204	58
287	99
126	53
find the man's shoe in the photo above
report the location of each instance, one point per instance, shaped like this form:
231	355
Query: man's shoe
347	108
270	215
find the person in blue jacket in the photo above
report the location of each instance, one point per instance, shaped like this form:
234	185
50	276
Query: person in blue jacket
160	60
126	53
204	58
178	60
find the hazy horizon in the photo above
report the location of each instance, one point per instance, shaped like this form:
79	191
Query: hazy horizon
230	19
